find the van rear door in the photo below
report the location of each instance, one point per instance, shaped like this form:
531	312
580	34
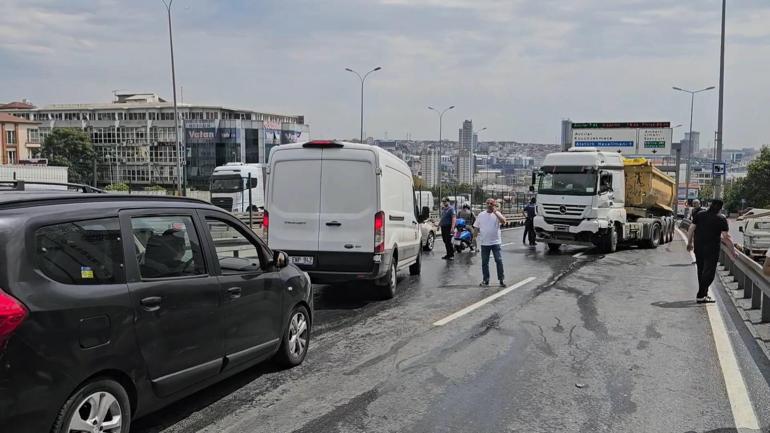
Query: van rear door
294	202
349	201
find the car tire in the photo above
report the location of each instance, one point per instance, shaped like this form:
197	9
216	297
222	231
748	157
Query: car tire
429	242
296	338
76	410
553	247
387	285
416	267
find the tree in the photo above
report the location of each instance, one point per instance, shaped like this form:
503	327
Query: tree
72	148
122	187
754	188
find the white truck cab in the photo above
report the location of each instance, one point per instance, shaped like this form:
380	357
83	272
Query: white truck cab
231	190
343	211
582	201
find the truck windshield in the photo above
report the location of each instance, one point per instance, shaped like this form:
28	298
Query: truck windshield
568	183
228	183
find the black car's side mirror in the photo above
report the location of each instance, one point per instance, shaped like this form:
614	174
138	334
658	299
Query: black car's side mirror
740	229
280	259
424	214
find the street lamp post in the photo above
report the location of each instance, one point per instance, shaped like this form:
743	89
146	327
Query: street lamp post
676	172
363	79
473	171
179	155
718	184
689	141
440	140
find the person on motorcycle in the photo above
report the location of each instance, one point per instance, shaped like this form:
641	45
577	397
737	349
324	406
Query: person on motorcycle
470	218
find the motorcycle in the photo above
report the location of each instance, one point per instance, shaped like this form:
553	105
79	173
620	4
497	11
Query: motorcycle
463	237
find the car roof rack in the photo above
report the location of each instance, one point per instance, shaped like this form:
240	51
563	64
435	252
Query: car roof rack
21	185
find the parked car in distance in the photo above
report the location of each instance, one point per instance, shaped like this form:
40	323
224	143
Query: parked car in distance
428	233
756	237
344	212
127	303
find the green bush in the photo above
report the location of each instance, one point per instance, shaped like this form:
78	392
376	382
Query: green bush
122	187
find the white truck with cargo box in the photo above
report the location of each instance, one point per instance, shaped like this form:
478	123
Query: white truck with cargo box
592	198
343	212
238	187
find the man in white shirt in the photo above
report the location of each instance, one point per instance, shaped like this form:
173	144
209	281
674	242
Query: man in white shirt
488	225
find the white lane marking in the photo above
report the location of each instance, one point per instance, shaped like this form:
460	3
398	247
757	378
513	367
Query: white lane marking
481	303
578	255
512	228
505	245
740	402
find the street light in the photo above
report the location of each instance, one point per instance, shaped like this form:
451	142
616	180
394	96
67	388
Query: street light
440	139
486	164
168	4
676	172
363	78
689	142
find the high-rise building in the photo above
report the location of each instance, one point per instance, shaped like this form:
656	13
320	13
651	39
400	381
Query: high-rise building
135	141
695	142
466	136
465	160
430	167
566	134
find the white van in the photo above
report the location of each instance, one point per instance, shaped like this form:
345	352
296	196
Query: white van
343	211
230	187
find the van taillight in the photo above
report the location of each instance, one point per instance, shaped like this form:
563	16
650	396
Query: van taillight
12	313
265	223
379	232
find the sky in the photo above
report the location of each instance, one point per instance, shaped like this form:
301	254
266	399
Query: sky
516	67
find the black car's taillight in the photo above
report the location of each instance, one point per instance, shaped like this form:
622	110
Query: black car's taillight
12	313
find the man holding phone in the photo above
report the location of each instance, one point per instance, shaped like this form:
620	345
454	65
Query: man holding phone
490	238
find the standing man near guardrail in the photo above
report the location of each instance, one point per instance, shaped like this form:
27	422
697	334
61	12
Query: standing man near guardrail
708	228
490	238
766	268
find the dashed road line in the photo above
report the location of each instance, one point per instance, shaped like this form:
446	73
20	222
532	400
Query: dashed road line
481	303
740	403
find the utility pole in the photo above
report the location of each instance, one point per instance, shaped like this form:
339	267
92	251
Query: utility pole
179	156
363	79
718	183
440	141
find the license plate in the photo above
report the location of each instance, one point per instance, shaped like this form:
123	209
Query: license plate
561	228
301	260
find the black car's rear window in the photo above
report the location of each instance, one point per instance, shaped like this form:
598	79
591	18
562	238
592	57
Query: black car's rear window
81	252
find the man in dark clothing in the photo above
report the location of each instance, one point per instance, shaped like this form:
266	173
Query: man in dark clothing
447	225
708	229
529	222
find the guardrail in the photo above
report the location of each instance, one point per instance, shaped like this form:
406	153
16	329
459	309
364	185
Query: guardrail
748	274
254	221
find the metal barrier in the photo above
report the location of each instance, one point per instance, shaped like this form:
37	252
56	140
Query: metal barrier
748	274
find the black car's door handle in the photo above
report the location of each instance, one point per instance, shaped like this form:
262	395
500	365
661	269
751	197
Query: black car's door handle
151	303
334	223
234	292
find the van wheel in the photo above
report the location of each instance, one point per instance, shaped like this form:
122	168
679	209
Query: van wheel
387	285
429	242
416	267
101	404
296	338
553	247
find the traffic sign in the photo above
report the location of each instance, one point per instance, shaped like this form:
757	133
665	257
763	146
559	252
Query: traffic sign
718	169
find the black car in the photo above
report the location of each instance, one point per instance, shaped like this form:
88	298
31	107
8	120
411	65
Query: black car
112	306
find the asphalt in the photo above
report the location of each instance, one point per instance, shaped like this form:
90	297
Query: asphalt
594	344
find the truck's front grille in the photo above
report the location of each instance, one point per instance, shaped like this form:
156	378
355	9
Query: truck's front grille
225	203
563	221
569	210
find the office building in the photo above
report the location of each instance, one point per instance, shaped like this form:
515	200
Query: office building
19	139
430	167
135	141
687	142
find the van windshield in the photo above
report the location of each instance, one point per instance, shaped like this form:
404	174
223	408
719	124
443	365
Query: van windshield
227	183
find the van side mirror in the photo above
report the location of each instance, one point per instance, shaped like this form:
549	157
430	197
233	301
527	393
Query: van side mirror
424	214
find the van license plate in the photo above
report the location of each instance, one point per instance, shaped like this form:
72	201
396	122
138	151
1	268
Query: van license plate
561	228
301	260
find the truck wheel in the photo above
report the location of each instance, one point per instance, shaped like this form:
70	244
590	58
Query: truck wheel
654	240
417	266
553	247
609	242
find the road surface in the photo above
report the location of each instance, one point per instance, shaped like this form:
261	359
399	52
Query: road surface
580	343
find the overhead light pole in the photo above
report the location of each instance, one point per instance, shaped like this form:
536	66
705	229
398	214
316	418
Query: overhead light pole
179	156
362	79
440	140
689	141
718	183
677	163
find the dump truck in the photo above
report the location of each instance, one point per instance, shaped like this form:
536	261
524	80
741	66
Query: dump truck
601	199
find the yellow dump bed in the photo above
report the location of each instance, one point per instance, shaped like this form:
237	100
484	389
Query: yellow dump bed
646	186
